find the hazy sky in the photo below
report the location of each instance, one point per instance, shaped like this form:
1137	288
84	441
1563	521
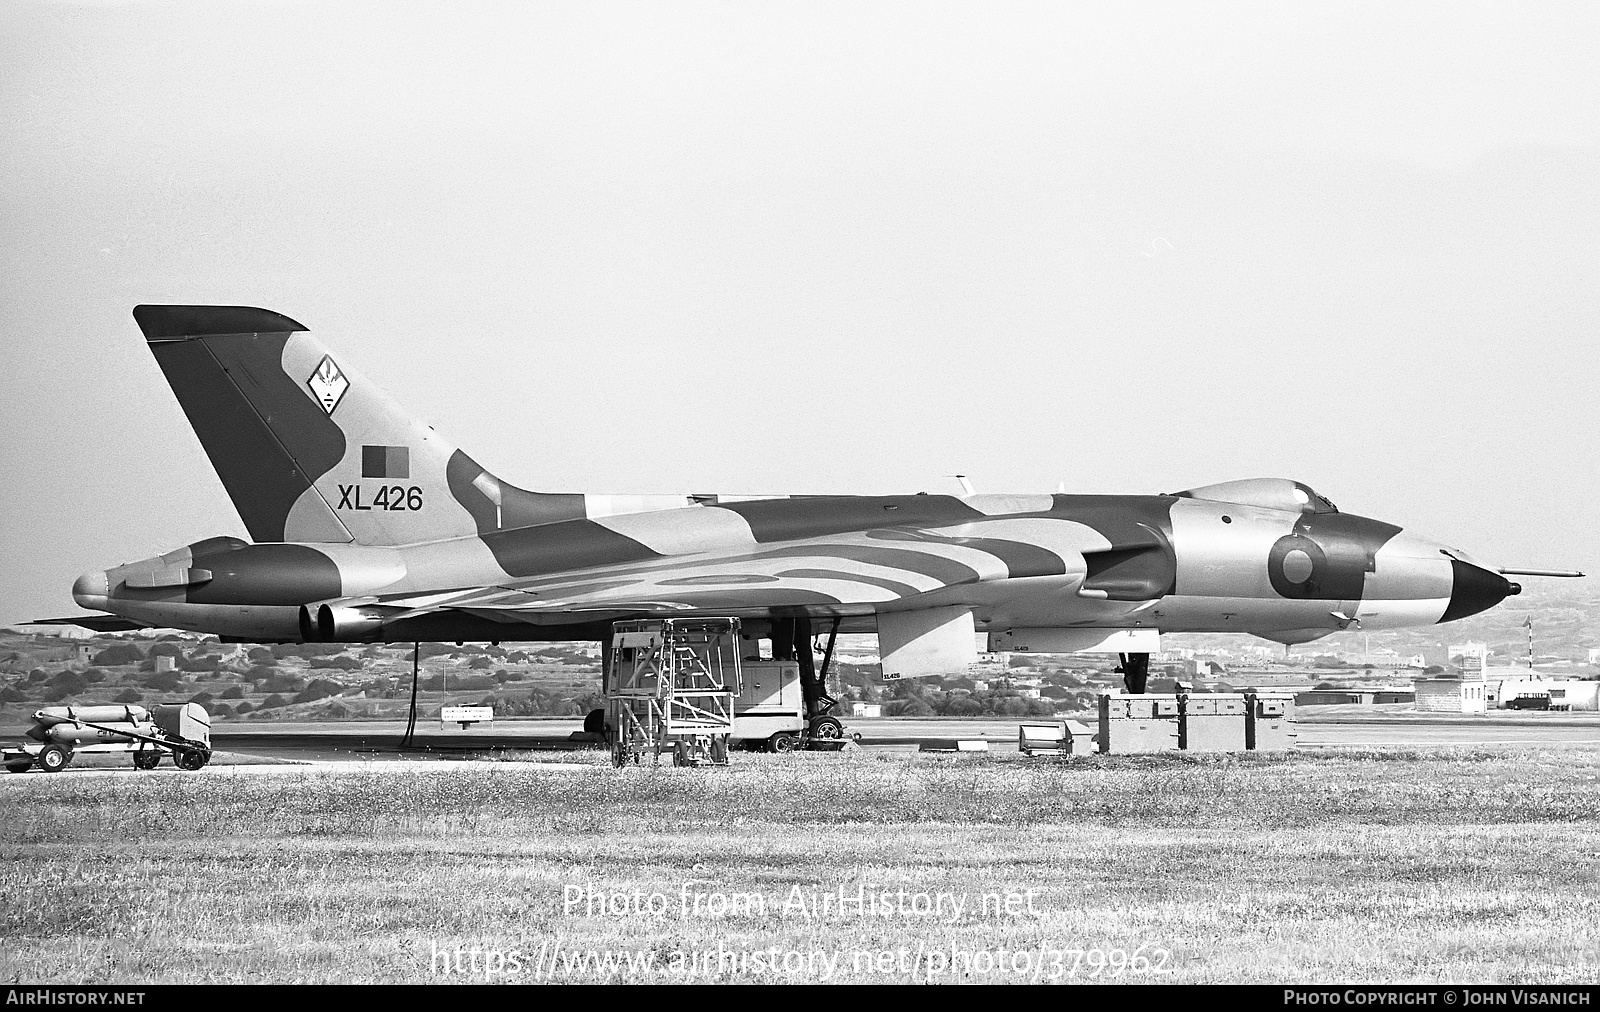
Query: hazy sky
813	247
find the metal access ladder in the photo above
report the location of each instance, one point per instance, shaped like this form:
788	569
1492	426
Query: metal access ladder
671	687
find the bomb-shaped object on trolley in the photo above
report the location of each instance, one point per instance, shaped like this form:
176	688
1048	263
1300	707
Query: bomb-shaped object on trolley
104	724
69	725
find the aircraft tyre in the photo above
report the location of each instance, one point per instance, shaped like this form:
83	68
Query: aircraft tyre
594	722
827	727
53	758
146	760
783	741
17	766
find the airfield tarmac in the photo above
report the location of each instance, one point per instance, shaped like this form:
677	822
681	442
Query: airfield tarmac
548	741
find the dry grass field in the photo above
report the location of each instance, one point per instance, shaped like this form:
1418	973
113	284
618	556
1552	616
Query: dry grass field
1462	865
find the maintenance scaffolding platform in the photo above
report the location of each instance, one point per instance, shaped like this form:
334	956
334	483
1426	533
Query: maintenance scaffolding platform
670	688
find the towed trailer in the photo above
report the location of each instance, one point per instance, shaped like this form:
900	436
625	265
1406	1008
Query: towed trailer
783	703
181	731
769	714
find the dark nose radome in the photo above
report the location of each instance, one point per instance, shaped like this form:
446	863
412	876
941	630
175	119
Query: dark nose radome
1474	589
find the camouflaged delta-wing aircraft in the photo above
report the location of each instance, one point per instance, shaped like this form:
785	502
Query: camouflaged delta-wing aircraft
370	526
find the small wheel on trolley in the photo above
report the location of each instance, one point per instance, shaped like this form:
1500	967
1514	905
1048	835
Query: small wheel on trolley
192	759
147	760
53	758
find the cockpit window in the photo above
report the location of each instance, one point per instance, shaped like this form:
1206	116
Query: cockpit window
1309	499
1267	493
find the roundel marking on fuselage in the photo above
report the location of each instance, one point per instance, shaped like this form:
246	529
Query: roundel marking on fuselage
1296	566
1327	556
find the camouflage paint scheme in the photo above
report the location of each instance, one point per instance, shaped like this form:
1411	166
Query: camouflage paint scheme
371	526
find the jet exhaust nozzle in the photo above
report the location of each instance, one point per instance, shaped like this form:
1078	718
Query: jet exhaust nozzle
341	621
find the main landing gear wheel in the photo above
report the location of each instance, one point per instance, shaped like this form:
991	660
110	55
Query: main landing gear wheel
827	727
192	759
784	741
595	722
146	760
53	758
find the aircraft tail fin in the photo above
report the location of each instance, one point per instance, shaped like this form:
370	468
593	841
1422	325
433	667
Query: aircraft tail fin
309	450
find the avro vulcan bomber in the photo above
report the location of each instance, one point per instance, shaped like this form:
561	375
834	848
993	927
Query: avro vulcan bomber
370	526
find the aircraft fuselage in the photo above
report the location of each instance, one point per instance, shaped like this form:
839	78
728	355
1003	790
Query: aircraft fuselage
1174	563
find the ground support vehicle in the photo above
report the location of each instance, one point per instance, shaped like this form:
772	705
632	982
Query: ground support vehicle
770	711
180	731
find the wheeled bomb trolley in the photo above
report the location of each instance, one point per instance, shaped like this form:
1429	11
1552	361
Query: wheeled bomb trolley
181	731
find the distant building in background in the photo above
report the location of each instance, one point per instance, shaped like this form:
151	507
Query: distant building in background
1594	656
1362	696
59	632
1506	684
866	710
1382	657
1386	658
1471	658
1453	695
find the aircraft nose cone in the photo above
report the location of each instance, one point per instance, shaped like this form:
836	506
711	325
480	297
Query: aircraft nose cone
1474	589
91	590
